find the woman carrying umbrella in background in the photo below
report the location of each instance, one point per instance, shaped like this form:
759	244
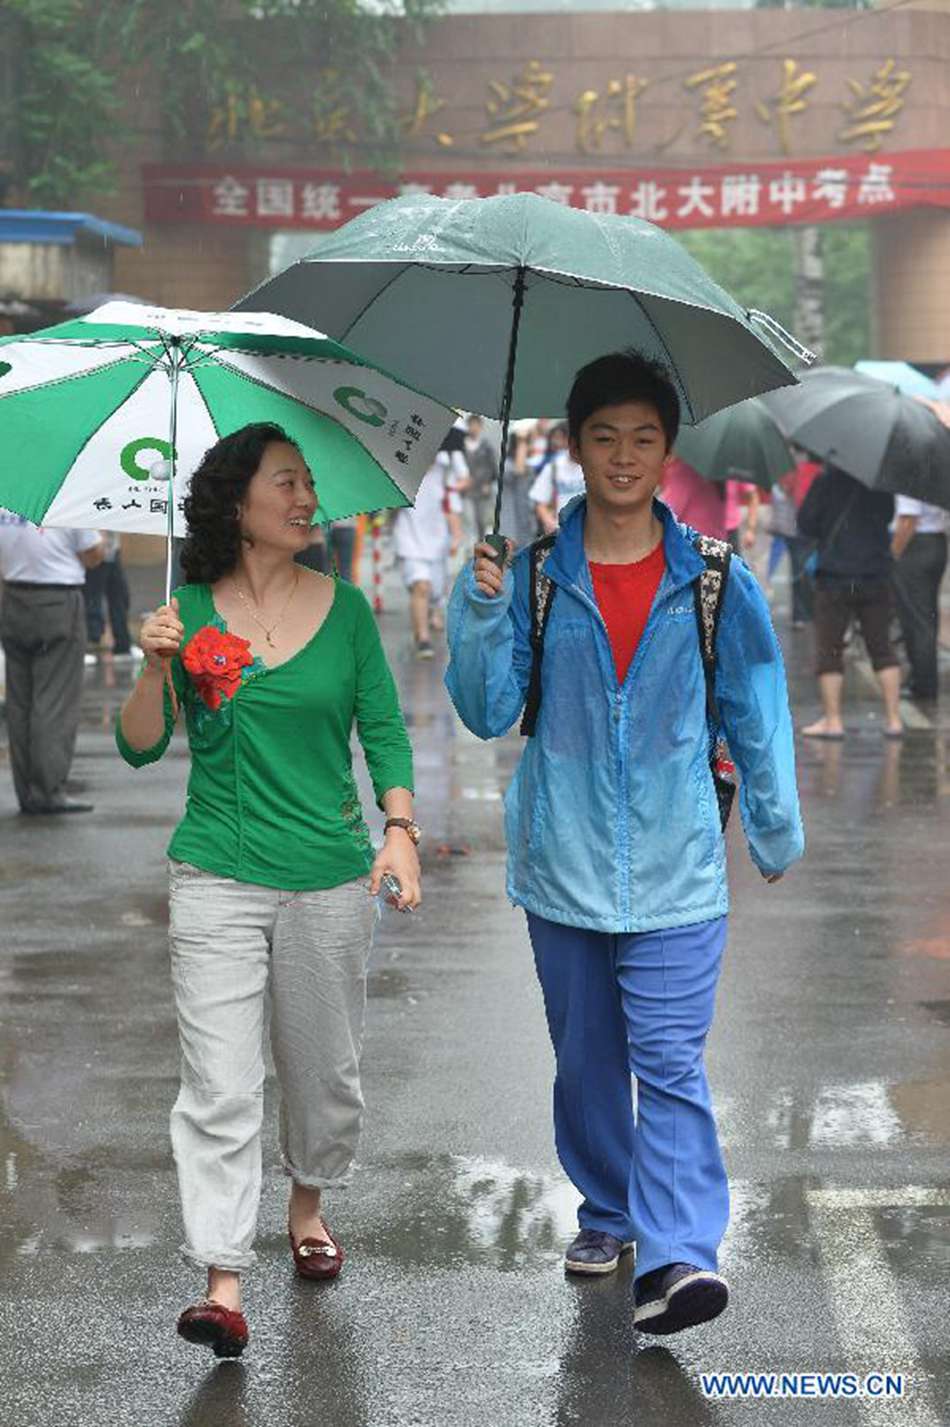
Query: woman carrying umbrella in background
272	873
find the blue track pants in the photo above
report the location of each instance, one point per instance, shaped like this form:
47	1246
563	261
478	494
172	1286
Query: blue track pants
640	1004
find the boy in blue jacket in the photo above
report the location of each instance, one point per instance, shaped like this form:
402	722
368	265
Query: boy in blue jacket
615	845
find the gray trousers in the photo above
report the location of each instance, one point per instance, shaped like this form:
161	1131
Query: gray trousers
239	951
43	631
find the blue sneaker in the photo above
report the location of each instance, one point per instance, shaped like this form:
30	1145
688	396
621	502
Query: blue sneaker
594	1251
677	1296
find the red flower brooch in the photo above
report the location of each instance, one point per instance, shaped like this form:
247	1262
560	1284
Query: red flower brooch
214	659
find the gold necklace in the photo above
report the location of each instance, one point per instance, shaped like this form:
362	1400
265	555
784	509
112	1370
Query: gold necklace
247	605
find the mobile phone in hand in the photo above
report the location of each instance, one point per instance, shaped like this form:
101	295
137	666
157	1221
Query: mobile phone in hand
393	887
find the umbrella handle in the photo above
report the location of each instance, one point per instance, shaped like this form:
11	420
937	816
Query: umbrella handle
499	546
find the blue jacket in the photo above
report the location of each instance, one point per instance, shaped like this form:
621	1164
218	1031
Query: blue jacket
611	819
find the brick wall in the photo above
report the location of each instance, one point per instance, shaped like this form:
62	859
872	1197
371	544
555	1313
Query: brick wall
911	286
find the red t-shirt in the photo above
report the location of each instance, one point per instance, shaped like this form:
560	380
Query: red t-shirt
625	595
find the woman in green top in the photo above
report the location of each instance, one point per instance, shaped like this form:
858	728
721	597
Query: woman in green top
273	876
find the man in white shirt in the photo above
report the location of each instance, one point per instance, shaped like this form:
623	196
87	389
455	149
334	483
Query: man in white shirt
43	632
919	547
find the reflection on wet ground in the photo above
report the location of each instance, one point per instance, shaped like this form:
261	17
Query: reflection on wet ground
830	1067
467	1210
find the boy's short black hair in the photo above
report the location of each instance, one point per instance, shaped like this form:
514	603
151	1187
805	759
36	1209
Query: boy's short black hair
619	377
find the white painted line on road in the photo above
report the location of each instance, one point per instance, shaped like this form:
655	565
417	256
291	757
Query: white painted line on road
913	1196
866	1303
911	715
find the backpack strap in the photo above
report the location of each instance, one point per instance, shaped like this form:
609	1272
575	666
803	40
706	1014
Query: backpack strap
540	598
709	593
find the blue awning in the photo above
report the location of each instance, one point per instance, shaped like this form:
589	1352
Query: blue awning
34	225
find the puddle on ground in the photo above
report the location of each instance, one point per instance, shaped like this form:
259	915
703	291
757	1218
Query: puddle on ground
388	981
83	1242
917	1240
940	1010
466	1209
20	873
146	911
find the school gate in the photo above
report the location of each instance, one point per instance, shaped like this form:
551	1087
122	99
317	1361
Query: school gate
708	118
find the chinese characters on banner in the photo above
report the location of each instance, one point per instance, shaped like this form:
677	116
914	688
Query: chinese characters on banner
518	104
847	186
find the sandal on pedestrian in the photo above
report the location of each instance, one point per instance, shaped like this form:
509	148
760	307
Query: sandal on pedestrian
224	1330
315	1258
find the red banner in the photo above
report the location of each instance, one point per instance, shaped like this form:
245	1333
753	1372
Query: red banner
738	195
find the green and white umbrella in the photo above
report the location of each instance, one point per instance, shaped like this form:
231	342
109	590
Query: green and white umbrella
99	416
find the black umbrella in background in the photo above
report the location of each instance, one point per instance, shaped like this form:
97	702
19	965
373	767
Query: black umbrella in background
887	440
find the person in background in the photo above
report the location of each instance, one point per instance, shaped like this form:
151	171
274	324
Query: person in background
852	582
558	481
43	631
742	503
797	484
782	522
483	470
331	548
518	520
919	547
694	500
314	555
424	538
342	545
540	448
107	582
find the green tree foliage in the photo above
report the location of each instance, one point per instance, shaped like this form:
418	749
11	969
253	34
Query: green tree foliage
200	56
60	104
757	266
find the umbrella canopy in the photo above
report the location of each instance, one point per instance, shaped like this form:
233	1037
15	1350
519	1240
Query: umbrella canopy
104	405
871	430
901	375
433	288
742	442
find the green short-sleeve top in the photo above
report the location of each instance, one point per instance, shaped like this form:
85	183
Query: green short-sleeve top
271	797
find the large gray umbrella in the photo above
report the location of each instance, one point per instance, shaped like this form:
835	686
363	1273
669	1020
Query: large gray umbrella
887	440
492	304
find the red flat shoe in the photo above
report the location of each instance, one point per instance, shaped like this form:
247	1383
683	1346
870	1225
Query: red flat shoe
315	1259
224	1330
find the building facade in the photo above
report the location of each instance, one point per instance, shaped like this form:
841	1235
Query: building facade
711	118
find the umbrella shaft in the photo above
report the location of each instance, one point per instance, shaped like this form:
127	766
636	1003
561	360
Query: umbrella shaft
518	304
176	358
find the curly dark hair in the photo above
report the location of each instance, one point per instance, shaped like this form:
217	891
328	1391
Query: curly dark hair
213	542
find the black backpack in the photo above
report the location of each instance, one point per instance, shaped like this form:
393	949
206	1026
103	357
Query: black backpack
708	592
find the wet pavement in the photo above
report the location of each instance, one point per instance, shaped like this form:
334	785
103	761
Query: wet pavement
830	1064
